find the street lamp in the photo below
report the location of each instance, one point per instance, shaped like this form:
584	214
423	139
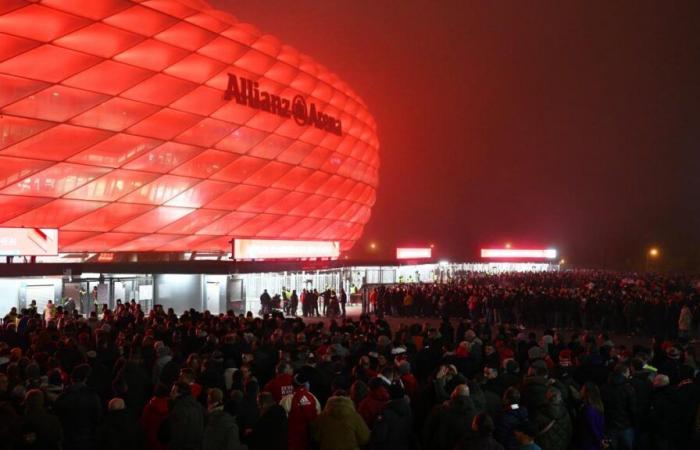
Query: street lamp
508	245
373	246
653	252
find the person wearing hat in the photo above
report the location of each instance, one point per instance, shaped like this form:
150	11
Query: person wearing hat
302	408
339	426
664	416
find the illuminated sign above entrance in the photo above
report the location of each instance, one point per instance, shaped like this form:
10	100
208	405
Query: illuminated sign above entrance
247	249
247	92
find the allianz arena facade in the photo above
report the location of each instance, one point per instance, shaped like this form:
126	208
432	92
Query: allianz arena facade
167	126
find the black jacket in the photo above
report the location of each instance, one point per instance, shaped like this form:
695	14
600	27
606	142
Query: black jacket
449	423
554	427
221	432
45	428
275	418
120	430
185	424
507	421
79	411
619	402
393	427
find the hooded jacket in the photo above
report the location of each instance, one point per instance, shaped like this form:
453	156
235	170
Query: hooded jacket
370	406
339	426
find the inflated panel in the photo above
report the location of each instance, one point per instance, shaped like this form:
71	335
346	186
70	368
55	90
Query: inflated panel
166	125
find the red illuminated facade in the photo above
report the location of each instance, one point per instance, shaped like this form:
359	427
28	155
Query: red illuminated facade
117	129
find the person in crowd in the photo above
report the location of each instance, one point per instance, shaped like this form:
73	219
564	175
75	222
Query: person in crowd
393	428
301	407
40	429
272	417
619	402
183	429
339	426
513	414
120	428
553	423
591	425
154	414
481	437
372	404
451	421
80	411
283	384
221	431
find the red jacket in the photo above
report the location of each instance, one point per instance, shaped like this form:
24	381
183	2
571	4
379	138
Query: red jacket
410	385
370	406
280	386
302	408
154	413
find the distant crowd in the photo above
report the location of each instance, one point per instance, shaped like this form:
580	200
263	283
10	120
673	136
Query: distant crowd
650	304
130	379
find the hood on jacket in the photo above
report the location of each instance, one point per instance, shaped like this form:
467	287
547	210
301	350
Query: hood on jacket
380	394
159	404
339	406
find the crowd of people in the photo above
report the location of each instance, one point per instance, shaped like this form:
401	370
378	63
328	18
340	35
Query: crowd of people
196	381
631	304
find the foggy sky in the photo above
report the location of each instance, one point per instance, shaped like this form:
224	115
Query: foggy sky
565	124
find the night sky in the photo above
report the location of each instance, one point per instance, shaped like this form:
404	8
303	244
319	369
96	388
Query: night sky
566	124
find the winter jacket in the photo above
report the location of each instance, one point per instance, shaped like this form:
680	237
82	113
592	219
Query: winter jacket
554	427
273	418
154	413
642	395
591	429
619	402
664	413
506	422
449	423
302	408
120	430
393	427
339	426
79	411
534	392
280	386
185	424
370	406
45	427
221	432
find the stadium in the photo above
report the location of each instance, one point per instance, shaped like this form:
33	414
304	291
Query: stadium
122	129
